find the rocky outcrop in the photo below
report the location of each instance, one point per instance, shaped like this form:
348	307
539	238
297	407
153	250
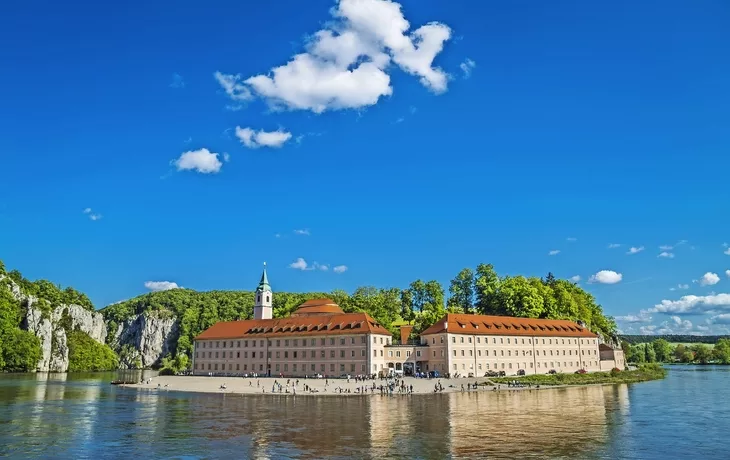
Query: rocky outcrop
50	326
145	339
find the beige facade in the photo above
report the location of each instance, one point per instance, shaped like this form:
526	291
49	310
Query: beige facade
331	355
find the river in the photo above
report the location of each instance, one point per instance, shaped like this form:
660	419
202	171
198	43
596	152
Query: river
687	415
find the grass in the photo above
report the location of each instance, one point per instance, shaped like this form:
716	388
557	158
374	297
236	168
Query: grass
674	344
644	373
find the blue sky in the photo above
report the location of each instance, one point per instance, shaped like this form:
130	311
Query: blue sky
169	141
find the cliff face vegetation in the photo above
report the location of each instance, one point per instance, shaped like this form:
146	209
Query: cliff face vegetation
59	330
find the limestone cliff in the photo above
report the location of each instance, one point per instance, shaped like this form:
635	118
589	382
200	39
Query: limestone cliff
145	339
50	325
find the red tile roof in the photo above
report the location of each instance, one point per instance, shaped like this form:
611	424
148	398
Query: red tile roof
317	307
456	323
332	324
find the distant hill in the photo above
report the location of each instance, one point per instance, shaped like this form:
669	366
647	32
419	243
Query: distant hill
673	338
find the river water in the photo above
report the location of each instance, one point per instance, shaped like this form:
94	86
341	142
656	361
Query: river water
687	415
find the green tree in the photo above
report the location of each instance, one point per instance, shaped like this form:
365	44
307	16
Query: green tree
21	351
702	353
649	353
721	352
462	291
662	350
679	352
86	354
518	297
486	284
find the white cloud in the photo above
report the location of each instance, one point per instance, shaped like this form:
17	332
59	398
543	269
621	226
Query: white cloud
648	330
642	317
233	87
635	250
720	319
226	157
666	255
255	139
682	323
340	269
727	252
303	231
614	245
467	66
606	277
160	285
709	279
92	215
177	81
693	304
727	273
345	65
575	278
299	264
666	247
554	252
679	287
202	161
278	235
571	239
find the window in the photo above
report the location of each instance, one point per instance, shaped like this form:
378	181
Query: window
313	354
230	354
352	367
381	341
238	354
397	354
462	352
434	353
352	340
217	344
479	352
507	339
278	343
332	353
224	344
286	354
375	353
471	352
390	353
268	354
381	353
277	367
261	344
479	340
286	343
453	339
442	353
294	367
462	339
332	341
352	353
363	339
454	352
342	340
295	354
238	367
216	367
277	354
216	355
342	368
418	353
245	343
362	353
342	353
469	339
442	339
408	353
375	340
286	367
267	298
238	345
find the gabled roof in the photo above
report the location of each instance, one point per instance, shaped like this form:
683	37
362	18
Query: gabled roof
457	323
333	324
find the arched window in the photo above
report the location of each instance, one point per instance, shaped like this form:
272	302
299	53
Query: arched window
267	298
258	298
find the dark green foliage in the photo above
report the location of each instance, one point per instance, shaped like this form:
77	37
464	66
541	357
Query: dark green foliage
50	292
632	339
86	354
20	350
644	373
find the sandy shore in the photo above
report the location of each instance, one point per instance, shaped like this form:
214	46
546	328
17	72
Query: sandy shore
316	387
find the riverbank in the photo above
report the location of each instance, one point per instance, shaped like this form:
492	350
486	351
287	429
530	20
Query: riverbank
644	373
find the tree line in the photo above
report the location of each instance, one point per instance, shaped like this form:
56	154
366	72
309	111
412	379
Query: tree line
662	351
673	338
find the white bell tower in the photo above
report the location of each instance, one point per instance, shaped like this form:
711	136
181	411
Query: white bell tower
262	307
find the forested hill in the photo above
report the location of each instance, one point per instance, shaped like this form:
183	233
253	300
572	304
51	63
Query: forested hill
673	338
422	302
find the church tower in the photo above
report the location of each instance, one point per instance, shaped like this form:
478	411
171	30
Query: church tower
262	308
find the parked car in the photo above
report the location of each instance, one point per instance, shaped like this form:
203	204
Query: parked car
580	371
552	371
491	374
521	372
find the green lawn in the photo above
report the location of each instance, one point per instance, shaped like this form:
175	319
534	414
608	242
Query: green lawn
644	373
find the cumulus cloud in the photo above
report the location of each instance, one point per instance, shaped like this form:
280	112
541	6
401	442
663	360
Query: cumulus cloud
727	273
255	139
635	250
614	245
606	277
203	161
666	255
302	231
679	287
92	215
709	279
693	304
161	285
340	269
642	317
301	264
467	66
720	319
681	323
575	278
727	252
233	87
345	65
554	252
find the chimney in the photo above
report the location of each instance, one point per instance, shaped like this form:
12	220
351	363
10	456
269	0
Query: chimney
405	332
